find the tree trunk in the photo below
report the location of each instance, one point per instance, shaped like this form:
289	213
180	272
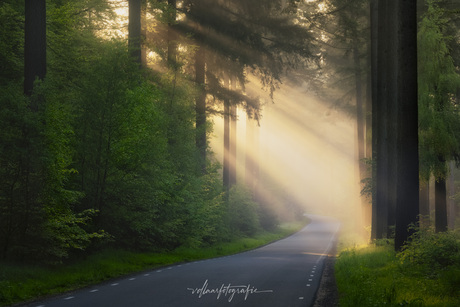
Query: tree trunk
440	202
200	106
233	138
440	213
380	214
407	138
34	44
451	214
172	43
134	30
391	95
143	33
424	205
359	109
374	90
226	166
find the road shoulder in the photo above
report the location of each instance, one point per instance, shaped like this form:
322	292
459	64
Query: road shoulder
327	294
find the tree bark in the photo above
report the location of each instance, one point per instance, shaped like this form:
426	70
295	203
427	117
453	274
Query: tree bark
34	44
233	137
134	30
226	166
391	96
441	205
407	139
424	205
172	44
374	91
200	106
451	214
380	214
359	108
143	33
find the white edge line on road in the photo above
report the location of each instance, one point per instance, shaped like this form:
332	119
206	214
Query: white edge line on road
326	251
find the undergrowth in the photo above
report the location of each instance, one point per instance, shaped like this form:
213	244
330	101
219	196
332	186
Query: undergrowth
19	282
425	273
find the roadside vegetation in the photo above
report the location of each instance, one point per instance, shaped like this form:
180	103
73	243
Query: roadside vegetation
19	282
425	273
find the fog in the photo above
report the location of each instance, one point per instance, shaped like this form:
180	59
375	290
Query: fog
305	148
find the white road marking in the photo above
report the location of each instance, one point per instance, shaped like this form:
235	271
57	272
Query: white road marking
69	298
159	271
301	298
308	285
132	278
114	284
94	290
146	274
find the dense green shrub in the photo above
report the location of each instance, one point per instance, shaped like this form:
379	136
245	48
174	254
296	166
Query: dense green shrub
431	253
242	212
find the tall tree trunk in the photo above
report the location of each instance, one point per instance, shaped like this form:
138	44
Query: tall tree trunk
34	44
134	30
374	90
440	201
143	33
424	205
233	137
200	106
407	138
391	96
359	108
172	43
226	166
380	213
451	214
440	197
250	154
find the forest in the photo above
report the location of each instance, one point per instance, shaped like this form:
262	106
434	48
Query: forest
106	107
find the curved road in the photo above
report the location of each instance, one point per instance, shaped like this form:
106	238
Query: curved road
284	273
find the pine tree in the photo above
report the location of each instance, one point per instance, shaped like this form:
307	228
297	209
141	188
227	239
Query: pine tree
439	120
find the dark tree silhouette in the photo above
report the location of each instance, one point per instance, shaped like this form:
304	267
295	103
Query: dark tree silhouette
35	43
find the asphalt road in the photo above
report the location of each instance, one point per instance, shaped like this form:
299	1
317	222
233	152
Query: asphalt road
282	274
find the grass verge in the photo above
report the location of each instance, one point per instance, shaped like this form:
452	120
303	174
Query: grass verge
377	276
20	283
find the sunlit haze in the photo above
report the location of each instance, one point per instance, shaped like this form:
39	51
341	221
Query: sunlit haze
307	149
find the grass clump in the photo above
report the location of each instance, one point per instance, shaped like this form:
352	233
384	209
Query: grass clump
425	273
20	282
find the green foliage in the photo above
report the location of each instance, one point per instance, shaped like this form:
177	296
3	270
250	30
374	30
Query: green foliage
19	282
11	44
431	253
438	82
109	157
374	276
242	212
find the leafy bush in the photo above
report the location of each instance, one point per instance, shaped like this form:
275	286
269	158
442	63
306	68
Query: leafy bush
431	253
242	212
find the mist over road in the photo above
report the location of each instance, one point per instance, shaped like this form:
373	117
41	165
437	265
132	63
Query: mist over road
284	273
